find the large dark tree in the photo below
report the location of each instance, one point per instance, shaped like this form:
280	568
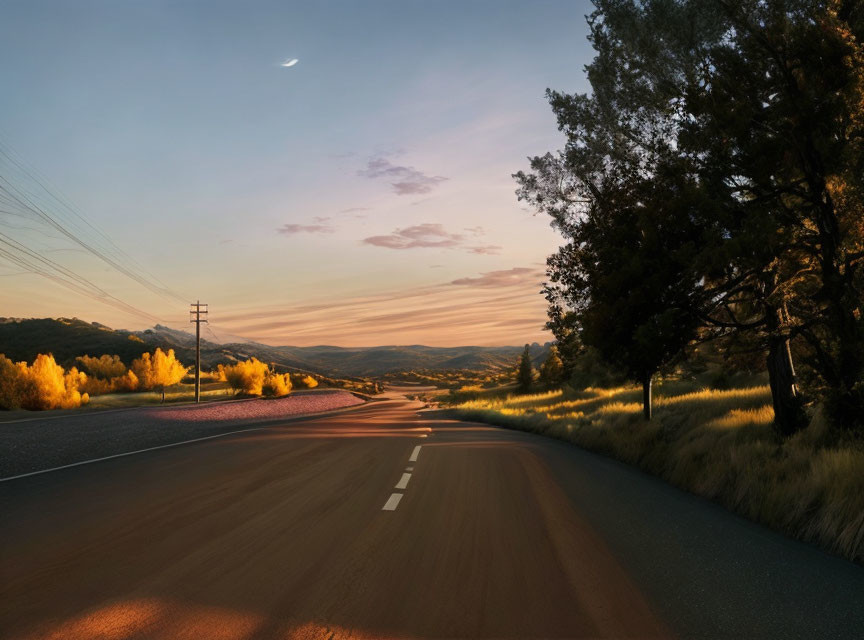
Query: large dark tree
758	108
626	273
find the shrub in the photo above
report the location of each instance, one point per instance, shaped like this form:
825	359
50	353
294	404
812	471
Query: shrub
104	367
247	376
276	385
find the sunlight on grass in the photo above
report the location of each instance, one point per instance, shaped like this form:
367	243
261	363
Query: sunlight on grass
717	443
740	418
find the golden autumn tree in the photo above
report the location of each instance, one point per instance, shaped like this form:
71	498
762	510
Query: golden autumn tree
158	371
10	383
42	385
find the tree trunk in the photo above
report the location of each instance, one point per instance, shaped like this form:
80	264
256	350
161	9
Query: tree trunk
163	395
646	396
788	413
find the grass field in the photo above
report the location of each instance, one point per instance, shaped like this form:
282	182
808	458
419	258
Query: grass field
716	443
177	393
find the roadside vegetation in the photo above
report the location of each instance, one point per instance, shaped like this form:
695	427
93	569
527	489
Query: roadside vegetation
710	199
718	444
106	382
44	384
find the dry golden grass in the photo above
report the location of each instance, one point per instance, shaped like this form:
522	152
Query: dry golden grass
716	443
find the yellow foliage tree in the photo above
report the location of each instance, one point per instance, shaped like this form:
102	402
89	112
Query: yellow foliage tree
158	371
42	385
10	384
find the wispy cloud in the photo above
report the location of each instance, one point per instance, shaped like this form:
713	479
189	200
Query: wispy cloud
419	236
291	229
503	278
404	180
430	236
486	249
354	209
497	307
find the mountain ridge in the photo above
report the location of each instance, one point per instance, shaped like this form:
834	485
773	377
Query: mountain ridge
67	338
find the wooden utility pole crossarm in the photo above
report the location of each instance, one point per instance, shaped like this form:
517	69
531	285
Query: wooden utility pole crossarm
197	315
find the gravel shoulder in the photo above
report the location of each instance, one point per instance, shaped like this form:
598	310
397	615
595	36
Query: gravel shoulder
49	441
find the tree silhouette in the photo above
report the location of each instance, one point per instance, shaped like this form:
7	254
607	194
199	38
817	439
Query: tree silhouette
525	373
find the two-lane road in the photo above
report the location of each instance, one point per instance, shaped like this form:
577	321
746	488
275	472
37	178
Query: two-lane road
379	523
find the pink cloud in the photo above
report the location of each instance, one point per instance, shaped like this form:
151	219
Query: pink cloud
404	180
431	236
419	236
504	278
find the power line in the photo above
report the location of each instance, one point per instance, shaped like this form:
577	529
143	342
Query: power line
25	195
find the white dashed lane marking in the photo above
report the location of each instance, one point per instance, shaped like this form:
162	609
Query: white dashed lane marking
392	502
403	481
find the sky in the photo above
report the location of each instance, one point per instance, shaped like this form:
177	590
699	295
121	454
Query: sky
362	196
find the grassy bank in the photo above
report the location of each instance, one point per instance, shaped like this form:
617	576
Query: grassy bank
716	443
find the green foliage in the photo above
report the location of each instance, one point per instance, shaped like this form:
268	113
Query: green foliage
589	369
525	372
713	184
552	369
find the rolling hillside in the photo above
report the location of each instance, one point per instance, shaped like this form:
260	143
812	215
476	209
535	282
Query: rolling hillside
66	338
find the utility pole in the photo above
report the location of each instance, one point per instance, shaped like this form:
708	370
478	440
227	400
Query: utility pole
198	314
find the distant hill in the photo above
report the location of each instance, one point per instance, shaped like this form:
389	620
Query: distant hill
67	338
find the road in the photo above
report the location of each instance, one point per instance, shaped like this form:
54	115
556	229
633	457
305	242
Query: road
300	531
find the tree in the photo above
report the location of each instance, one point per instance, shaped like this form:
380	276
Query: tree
525	374
158	371
755	110
776	118
627	272
552	369
42	385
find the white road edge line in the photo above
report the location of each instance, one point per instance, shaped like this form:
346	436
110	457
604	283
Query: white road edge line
403	481
414	454
392	502
130	453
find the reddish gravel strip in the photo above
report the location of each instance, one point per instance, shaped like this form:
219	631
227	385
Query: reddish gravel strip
46	442
256	409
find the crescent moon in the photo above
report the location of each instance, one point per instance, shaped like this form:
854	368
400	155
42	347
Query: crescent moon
290	63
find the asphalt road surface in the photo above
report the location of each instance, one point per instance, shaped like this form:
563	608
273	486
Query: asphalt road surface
379	523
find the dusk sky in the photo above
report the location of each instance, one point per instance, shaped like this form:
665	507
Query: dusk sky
362	196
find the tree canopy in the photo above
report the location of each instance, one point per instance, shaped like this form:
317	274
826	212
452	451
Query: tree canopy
713	184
